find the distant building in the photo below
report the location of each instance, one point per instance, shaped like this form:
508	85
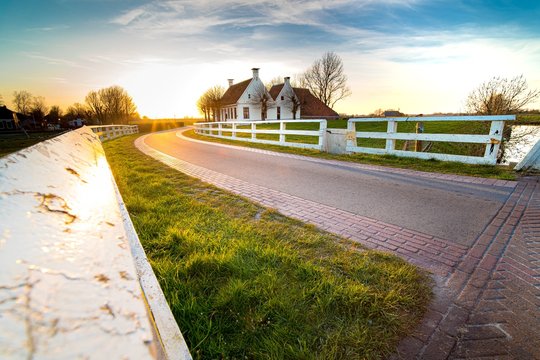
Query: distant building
299	103
77	123
392	113
7	119
242	101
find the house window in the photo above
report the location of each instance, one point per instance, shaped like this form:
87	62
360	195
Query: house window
246	112
249	96
235	114
279	113
283	98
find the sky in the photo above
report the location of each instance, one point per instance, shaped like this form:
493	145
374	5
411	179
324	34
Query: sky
416	56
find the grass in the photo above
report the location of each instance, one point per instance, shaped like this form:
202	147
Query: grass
432	165
14	142
246	282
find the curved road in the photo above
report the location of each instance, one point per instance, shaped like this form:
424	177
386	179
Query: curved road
455	211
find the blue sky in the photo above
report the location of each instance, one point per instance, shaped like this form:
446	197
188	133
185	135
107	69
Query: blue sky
414	55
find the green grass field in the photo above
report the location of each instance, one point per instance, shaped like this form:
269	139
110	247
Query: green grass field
245	282
15	142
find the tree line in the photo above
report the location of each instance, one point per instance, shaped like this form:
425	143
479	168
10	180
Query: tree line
111	105
325	79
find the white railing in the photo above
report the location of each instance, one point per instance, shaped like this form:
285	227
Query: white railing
219	129
109	132
74	279
492	140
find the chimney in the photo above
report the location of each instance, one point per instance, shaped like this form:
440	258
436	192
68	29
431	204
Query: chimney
287	80
230	82
255	73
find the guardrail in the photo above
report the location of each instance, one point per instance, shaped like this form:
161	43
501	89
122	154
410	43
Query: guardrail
492	140
531	161
74	279
218	129
109	132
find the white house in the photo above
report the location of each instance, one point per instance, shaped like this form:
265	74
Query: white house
250	100
247	100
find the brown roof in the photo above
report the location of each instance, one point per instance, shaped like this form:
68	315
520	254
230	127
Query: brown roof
310	106
275	90
234	92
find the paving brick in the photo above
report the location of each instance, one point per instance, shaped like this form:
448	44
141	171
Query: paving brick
482	348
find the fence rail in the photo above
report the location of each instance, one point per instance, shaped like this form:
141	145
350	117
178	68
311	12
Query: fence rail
492	140
218	129
109	132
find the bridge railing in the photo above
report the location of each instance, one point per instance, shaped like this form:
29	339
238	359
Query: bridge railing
492	140
273	132
109	132
74	279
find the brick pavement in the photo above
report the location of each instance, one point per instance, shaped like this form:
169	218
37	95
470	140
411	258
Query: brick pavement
486	296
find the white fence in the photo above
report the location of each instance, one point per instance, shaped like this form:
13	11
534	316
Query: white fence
491	140
74	280
109	132
219	129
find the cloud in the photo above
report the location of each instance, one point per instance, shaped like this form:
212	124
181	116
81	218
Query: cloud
54	61
200	16
128	17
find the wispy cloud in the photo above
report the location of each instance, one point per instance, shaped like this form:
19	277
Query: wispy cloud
54	61
48	28
199	16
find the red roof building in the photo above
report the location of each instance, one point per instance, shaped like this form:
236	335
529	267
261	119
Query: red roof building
249	100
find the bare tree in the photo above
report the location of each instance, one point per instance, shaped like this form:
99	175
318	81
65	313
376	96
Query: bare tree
54	114
203	106
1	100
111	105
77	111
210	103
22	100
292	102
275	81
38	109
326	79
96	109
500	96
261	97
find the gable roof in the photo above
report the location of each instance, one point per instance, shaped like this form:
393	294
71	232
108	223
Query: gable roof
5	113
310	105
234	92
275	90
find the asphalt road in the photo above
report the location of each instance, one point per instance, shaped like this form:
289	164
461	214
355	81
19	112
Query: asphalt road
450	210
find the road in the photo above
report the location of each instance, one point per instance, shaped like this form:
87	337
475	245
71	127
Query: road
455	211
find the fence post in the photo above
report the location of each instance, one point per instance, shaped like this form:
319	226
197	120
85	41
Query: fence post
219	129
492	149
233	134
253	129
351	134
281	134
419	130
391	129
322	134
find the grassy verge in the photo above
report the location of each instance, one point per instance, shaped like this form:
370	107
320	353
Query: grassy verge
14	142
245	282
446	167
